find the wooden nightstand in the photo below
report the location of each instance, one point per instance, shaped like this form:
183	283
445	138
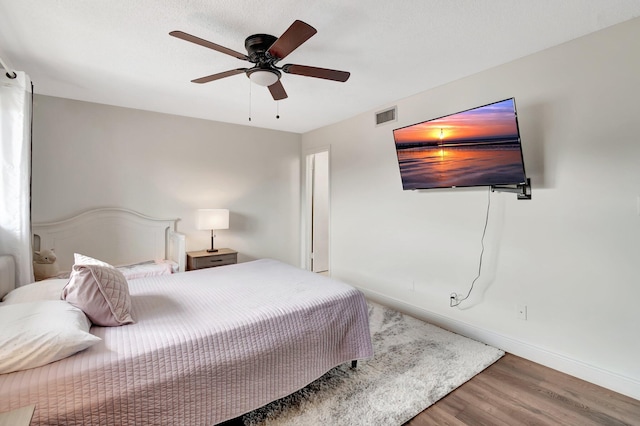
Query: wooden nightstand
203	259
18	417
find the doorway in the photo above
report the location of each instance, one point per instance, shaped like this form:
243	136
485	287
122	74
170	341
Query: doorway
317	176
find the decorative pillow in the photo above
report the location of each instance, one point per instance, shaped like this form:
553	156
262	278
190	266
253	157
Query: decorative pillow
37	333
42	290
101	292
81	259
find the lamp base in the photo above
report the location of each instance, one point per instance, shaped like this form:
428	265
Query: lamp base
212	250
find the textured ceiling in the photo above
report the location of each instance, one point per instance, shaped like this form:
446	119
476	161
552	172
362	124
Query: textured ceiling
118	52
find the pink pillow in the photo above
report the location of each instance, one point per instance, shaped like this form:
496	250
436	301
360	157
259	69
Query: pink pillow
101	292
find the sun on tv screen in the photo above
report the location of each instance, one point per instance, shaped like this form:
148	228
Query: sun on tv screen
476	147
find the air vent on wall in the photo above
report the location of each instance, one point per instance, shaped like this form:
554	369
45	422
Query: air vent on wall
386	116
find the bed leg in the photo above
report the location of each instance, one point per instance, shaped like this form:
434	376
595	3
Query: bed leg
354	363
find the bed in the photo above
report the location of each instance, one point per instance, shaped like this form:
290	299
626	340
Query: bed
206	346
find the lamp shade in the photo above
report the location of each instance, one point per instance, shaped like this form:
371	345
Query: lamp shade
212	219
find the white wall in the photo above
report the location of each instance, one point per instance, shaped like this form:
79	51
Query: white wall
88	155
571	254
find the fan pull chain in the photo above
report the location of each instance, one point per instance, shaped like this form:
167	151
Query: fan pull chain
249	100
277	110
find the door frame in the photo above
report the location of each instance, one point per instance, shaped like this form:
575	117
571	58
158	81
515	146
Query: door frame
307	212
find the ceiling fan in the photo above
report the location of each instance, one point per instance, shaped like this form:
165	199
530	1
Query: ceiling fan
265	51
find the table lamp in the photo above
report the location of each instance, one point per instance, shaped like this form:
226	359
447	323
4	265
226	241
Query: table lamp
212	219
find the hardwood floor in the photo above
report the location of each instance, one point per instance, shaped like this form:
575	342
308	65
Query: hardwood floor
515	391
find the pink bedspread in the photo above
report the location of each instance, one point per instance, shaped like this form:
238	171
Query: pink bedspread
208	345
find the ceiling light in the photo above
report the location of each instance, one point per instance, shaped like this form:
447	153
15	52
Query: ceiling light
264	77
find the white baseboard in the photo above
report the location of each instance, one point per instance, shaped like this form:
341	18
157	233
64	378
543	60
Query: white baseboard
599	376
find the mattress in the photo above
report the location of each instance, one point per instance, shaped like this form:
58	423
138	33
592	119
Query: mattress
207	346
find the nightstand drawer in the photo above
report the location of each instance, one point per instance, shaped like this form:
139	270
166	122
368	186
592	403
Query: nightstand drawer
203	259
210	261
18	417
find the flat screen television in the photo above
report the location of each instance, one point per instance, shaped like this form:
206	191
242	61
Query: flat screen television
476	147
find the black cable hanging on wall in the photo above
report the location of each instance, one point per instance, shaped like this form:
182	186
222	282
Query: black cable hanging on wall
453	299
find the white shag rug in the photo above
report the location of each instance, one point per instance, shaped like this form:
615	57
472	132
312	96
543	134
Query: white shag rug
415	364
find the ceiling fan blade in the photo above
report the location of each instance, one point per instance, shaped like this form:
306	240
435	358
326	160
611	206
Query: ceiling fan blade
291	39
277	91
219	75
316	72
210	45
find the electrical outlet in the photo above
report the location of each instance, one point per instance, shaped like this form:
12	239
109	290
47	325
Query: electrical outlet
521	312
453	299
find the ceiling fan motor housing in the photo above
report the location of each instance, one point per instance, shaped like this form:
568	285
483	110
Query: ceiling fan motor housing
257	46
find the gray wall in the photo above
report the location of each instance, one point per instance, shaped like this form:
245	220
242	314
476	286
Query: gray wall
88	155
571	254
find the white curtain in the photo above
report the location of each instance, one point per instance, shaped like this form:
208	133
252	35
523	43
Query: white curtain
15	173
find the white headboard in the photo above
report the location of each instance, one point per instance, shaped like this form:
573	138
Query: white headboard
114	235
7	274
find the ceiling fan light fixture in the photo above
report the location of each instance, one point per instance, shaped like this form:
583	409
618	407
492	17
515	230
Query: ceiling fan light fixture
263	77
264	51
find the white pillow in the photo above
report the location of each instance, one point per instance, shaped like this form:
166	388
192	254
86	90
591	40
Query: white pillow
150	268
81	259
42	290
37	333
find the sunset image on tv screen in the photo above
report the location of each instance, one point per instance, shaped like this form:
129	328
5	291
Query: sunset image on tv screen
477	147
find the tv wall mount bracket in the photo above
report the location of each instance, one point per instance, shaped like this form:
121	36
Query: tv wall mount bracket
523	190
